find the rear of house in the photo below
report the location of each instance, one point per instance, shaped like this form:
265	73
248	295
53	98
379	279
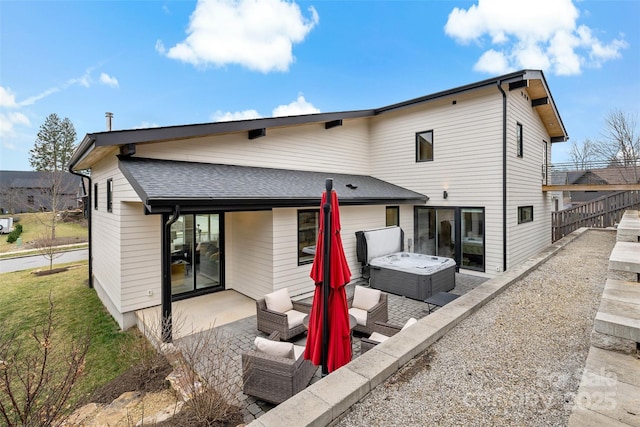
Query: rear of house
185	210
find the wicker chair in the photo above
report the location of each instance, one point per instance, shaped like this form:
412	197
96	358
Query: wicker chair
377	313
272	321
383	328
274	379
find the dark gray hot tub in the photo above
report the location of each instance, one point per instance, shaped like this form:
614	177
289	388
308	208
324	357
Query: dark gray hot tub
413	275
390	269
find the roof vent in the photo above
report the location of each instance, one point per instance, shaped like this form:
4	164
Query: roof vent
351	186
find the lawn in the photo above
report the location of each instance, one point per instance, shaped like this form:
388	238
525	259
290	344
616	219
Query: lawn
24	303
33	226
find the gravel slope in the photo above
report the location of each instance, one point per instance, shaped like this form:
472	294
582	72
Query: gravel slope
517	361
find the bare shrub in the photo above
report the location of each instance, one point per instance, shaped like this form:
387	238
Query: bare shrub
204	371
209	377
36	380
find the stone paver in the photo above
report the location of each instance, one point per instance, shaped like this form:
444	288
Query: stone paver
242	333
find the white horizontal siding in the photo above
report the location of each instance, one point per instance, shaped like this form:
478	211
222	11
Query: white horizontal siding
287	272
467	161
105	234
524	180
140	257
249	253
343	149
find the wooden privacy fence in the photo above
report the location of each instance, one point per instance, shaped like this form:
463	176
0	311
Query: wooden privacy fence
602	212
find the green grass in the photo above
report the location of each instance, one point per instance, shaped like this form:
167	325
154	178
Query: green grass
24	303
33	226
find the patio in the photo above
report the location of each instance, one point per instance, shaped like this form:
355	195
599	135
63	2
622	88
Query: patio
234	314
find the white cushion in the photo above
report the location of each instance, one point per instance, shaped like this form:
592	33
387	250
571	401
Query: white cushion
410	322
274	348
279	301
377	337
298	350
294	318
365	298
359	314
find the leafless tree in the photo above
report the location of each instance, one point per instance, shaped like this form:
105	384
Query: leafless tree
36	382
582	154
620	145
48	247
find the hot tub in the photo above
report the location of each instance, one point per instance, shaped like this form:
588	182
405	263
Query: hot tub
415	276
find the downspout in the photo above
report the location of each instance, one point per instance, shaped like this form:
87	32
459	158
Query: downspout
88	207
167	327
504	176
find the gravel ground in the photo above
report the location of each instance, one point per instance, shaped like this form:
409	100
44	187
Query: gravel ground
517	361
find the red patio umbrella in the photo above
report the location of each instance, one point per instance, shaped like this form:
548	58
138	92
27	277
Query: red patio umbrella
329	335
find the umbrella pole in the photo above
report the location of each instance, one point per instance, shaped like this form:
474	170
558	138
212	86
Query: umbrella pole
326	276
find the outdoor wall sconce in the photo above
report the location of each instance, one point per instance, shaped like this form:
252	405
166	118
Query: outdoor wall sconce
445	194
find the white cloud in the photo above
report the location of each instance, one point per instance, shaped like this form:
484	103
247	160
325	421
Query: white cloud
7	98
106	79
8	122
220	116
493	62
147	125
547	36
256	34
295	108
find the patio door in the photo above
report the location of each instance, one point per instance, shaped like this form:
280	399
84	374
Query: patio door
456	233
197	254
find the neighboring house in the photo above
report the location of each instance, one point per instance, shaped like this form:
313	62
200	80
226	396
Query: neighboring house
596	176
185	210
29	191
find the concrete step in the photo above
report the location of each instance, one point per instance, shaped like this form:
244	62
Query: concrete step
629	227
609	392
625	256
619	311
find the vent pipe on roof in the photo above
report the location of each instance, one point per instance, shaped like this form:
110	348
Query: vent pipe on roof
109	118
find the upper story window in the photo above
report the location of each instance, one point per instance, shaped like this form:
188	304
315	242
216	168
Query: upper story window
308	223
110	195
95	196
519	139
392	216
525	214
424	146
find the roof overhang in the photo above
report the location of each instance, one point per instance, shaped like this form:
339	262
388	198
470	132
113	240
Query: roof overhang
199	187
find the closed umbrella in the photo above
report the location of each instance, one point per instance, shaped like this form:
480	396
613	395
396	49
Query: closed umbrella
329	336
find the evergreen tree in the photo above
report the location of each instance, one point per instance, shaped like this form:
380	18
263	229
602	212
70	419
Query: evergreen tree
51	152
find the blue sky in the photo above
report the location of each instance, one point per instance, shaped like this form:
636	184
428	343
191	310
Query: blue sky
162	63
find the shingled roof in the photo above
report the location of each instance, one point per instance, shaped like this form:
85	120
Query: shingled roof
163	184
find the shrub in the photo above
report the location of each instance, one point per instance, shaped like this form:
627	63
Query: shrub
13	236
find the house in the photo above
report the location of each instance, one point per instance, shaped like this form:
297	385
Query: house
30	191
600	178
184	210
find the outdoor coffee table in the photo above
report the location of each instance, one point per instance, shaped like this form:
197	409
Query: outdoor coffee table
439	300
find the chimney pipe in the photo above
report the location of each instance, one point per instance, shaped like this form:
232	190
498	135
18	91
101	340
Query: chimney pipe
109	118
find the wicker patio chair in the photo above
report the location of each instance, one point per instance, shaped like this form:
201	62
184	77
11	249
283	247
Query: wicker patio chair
383	328
274	379
270	320
376	313
382	331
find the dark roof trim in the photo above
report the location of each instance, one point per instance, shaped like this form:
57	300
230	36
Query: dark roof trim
159	134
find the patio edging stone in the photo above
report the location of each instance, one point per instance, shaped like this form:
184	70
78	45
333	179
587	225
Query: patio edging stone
323	402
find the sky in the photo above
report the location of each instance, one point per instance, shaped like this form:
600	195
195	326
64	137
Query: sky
163	63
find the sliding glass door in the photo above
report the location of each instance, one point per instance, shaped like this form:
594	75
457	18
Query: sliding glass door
456	233
196	250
